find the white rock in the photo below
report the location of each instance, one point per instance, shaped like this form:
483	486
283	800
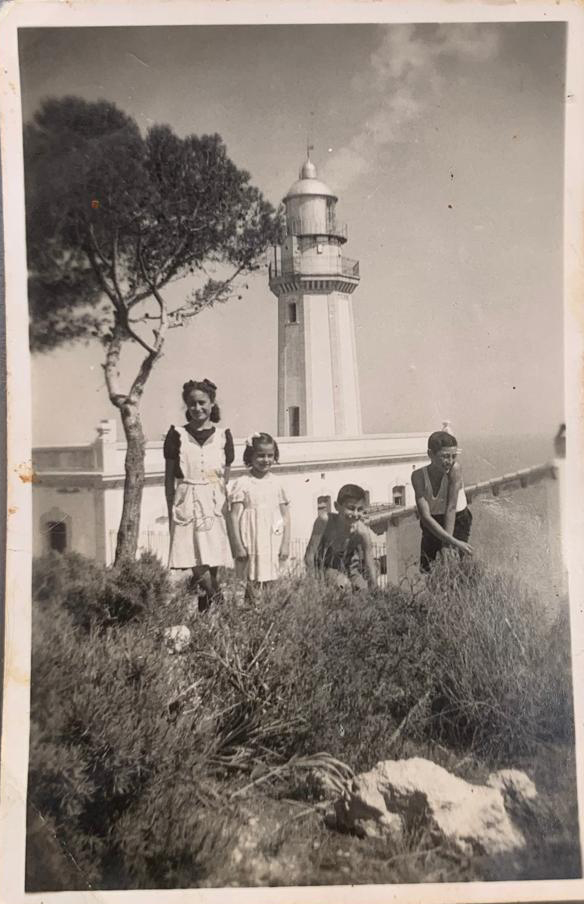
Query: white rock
396	791
177	638
505	780
365	813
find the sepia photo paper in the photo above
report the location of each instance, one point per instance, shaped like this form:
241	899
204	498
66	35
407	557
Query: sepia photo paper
294	341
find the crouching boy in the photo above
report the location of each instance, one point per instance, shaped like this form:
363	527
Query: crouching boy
441	501
341	544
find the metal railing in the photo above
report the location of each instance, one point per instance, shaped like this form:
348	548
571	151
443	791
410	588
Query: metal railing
392	514
317	227
343	266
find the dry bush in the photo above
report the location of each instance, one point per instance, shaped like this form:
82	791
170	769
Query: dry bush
500	663
140	759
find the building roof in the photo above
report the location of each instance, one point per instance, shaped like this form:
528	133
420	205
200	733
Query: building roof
308	184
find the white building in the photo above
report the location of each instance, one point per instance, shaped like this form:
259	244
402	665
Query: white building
78	490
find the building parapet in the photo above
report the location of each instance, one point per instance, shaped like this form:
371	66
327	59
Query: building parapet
379	520
104	461
341	266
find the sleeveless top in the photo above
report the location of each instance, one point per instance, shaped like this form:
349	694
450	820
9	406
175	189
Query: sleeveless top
437	503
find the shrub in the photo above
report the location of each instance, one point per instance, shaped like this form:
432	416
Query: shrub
96	596
500	687
140	758
57	576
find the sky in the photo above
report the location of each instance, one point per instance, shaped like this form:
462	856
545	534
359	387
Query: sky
445	146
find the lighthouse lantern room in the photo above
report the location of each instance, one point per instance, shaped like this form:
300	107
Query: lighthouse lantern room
318	387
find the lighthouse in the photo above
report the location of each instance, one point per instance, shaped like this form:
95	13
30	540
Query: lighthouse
318	386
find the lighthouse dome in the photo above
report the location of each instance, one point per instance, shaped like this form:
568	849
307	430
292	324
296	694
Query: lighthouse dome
309	184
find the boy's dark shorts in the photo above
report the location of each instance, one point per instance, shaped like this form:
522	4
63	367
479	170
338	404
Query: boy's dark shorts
431	545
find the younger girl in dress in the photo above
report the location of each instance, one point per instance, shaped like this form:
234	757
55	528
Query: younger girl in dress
198	456
260	515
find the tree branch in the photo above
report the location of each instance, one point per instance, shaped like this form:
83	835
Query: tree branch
92	251
114	295
160	333
115	268
111	368
151	349
185	309
156	351
144	317
171	265
97	249
144	372
171	262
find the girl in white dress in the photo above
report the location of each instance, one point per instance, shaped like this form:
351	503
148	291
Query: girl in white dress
260	515
198	456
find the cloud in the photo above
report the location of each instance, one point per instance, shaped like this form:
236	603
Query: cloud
403	78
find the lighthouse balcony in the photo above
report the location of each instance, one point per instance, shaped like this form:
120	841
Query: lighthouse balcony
342	266
290	275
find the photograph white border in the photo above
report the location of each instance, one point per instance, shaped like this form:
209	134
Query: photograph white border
16	703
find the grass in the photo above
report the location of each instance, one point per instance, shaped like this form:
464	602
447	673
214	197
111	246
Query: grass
150	769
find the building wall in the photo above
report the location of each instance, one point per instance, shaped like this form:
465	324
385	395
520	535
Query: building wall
310	468
77	507
318	365
518	531
303	486
291	362
319	257
320	416
347	407
153	519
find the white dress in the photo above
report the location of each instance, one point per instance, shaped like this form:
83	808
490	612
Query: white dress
261	525
199	530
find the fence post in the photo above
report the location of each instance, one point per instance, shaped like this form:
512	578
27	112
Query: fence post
392	552
556	528
557	525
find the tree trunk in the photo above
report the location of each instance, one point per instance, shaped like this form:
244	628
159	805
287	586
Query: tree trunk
128	532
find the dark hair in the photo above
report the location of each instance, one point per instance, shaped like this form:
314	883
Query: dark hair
441	440
256	440
351	491
209	389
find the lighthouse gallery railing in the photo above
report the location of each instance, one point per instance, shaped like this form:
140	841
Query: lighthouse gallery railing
344	266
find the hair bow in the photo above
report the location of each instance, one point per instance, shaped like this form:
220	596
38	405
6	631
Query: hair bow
209	383
251	437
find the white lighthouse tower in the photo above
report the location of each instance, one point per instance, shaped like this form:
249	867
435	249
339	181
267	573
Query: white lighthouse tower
318	386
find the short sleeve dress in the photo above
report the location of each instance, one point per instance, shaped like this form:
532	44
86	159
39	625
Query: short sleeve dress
261	525
198	534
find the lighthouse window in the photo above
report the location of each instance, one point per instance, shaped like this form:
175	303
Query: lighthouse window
330	213
292	312
57	535
294	420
